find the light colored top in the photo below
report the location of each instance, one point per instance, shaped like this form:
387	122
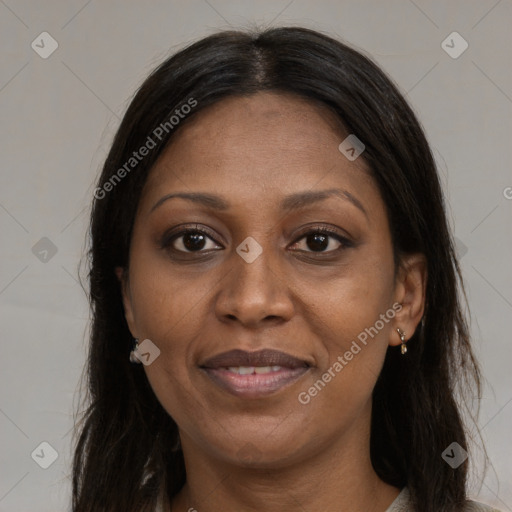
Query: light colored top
401	504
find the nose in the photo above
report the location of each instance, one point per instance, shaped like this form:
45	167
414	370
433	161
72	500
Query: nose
254	294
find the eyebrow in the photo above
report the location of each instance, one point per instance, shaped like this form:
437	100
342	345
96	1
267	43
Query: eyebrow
289	203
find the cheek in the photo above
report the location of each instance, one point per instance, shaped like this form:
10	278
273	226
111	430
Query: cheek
165	301
354	324
168	317
169	308
176	394
351	357
352	299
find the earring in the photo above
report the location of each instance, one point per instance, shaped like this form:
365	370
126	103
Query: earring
133	357
401	333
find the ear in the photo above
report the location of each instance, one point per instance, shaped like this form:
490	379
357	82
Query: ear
122	276
410	290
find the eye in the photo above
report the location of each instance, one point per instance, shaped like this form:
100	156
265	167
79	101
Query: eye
322	240
189	241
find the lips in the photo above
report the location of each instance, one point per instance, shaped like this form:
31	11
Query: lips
266	357
254	374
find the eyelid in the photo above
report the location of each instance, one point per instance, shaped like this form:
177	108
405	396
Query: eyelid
321	228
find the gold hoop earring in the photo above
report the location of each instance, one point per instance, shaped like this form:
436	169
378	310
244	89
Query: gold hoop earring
403	348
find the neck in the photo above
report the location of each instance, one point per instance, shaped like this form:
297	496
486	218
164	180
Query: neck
338	477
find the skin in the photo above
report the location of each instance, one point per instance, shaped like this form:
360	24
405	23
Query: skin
271	453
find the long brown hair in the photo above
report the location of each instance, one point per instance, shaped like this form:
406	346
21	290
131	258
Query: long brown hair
125	449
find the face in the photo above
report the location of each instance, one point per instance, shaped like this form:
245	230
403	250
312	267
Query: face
289	252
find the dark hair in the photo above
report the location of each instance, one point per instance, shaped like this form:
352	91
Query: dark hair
126	447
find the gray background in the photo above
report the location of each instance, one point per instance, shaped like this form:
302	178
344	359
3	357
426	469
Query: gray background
58	116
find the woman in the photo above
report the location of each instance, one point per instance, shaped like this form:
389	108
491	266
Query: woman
276	323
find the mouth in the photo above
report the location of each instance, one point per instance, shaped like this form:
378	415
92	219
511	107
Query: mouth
254	374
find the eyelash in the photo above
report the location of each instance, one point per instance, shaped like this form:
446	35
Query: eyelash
169	239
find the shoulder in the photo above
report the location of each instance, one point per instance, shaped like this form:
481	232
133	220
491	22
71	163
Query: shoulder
475	506
402	504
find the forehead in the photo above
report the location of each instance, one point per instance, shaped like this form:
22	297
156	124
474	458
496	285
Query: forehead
260	143
264	110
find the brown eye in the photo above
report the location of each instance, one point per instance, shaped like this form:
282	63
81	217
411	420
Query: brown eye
193	241
322	240
189	240
317	241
